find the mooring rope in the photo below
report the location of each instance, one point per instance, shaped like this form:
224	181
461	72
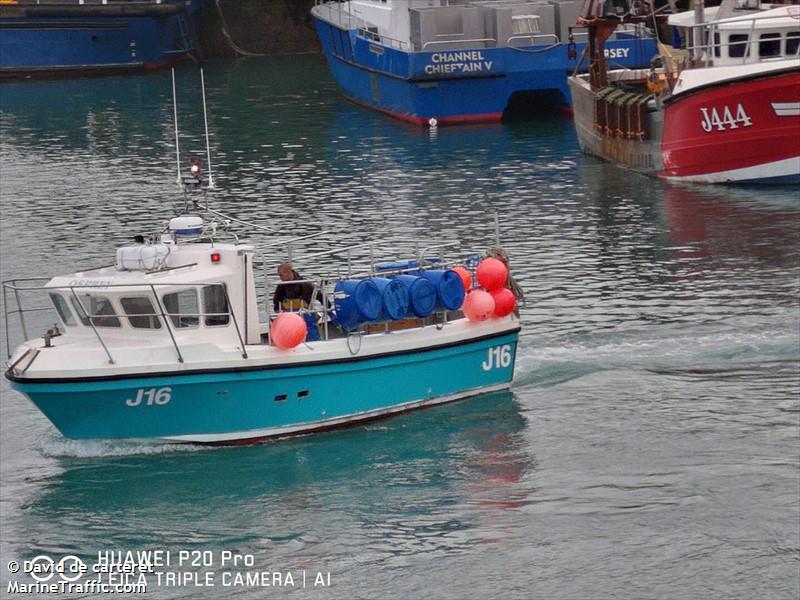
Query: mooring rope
224	26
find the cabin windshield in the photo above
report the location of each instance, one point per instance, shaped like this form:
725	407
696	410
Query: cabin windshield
183	308
96	310
140	313
215	305
62	308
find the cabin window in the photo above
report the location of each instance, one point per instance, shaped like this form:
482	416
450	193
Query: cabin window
716	45
524	24
62	308
183	308
769	44
792	42
99	310
737	45
140	312
215	305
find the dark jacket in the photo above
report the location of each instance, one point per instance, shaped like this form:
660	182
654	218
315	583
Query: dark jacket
293	291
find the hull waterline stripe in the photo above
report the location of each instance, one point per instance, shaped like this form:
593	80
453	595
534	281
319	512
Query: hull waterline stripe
458	119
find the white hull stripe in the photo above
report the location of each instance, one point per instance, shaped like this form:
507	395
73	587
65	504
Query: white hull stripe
782	168
352	418
786	109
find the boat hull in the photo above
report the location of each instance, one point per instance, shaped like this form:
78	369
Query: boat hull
454	87
743	131
56	40
740	131
643	156
249	404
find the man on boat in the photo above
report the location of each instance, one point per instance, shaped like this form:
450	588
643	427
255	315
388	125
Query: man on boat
292	296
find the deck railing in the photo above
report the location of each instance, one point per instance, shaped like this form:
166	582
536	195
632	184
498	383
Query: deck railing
91	320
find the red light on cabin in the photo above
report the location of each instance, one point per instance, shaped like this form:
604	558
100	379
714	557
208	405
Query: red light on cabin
216	257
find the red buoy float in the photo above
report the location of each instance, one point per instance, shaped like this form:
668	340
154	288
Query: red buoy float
466	278
288	330
504	301
492	274
478	305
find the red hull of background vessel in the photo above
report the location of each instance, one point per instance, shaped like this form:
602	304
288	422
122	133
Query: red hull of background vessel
688	149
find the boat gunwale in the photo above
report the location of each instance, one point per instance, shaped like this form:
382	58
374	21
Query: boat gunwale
254	368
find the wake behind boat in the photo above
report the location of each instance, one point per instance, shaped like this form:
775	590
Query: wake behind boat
447	62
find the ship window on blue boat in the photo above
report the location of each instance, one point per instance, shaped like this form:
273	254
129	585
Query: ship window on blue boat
215	305
769	44
140	312
183	308
100	310
525	24
792	43
62	308
737	45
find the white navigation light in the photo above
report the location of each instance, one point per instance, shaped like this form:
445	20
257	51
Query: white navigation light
433	122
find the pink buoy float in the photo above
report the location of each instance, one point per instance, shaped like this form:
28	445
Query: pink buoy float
504	301
492	274
478	305
288	330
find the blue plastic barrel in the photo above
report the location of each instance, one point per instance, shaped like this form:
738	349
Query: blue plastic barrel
311	326
394	297
449	288
421	295
396	266
361	302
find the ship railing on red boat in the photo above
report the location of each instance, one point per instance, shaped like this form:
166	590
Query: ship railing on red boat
739	40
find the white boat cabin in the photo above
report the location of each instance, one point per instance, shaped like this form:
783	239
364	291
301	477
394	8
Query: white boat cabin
205	289
431	25
742	33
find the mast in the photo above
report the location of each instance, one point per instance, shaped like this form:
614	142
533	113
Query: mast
601	18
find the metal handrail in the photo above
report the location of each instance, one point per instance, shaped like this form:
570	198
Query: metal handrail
457	41
166	317
380	38
166	323
713	27
550	36
91	324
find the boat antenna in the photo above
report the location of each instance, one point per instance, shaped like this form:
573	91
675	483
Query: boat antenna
175	113
205	120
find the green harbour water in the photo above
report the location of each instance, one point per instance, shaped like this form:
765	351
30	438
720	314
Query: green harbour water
649	447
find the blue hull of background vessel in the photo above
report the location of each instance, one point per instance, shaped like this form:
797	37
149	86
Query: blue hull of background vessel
49	45
415	86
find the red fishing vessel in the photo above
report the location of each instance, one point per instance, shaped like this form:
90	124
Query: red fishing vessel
720	106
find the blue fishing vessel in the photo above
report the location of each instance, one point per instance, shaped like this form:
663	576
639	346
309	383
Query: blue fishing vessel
456	61
82	36
169	343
